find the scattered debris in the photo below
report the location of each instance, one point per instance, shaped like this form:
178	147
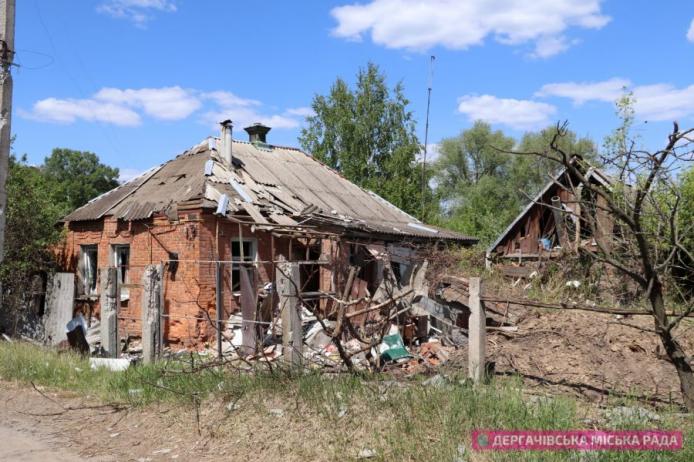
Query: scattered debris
436	381
113	364
366	453
624	414
393	348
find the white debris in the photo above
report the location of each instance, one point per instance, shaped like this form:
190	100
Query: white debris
113	364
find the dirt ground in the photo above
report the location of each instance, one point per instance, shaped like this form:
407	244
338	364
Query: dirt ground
27	445
39	428
589	354
61	427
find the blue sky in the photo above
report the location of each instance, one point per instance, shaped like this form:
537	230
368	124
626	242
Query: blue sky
139	81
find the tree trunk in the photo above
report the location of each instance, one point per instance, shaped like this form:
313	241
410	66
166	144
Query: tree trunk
673	349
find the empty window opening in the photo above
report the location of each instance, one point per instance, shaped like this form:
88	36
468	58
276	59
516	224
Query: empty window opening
241	251
121	259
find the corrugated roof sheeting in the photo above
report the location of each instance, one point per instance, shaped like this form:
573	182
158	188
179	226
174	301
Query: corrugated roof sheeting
281	182
101	205
179	180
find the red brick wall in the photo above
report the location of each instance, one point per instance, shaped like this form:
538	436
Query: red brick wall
189	295
180	291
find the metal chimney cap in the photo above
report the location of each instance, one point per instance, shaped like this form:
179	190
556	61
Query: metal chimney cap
226	123
257	132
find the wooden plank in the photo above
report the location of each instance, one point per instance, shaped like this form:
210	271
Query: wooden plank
60	298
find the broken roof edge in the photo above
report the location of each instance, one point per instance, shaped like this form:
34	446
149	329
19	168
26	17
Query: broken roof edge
142	178
591	172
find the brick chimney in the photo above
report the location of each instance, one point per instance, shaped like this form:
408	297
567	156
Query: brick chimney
257	133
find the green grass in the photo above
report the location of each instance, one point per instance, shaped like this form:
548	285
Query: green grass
403	421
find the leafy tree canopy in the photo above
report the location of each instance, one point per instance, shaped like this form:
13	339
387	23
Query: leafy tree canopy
368	134
482	185
77	177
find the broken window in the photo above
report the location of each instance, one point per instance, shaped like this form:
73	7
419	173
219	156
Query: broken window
241	250
121	259
88	264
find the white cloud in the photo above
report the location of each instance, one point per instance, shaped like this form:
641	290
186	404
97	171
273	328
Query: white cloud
663	102
244	112
514	113
653	102
127	174
69	110
301	111
580	92
454	24
167	103
118	107
550	46
126	107
139	12
690	32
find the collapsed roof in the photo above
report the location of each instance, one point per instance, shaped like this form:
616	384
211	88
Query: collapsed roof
561	180
273	185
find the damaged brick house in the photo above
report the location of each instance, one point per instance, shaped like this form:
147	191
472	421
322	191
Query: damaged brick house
240	205
554	222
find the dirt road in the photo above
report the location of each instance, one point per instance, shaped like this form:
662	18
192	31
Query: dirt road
20	446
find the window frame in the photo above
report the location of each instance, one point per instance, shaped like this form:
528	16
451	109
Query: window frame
123	273
235	281
91	287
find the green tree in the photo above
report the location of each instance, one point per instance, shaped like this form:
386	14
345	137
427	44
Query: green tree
77	177
482	185
465	159
30	231
37	197
687	210
531	173
368	134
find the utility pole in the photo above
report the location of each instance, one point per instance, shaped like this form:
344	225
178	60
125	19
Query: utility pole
7	9
426	137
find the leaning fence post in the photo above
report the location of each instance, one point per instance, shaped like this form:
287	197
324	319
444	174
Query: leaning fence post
109	311
478	333
151	287
287	278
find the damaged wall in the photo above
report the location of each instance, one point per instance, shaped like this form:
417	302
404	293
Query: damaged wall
198	239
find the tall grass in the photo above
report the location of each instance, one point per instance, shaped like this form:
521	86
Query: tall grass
403	421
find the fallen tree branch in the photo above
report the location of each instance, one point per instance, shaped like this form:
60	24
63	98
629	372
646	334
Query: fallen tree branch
380	305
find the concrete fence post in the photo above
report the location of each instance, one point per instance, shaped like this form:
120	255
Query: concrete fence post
219	305
151	289
109	311
478	333
287	279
